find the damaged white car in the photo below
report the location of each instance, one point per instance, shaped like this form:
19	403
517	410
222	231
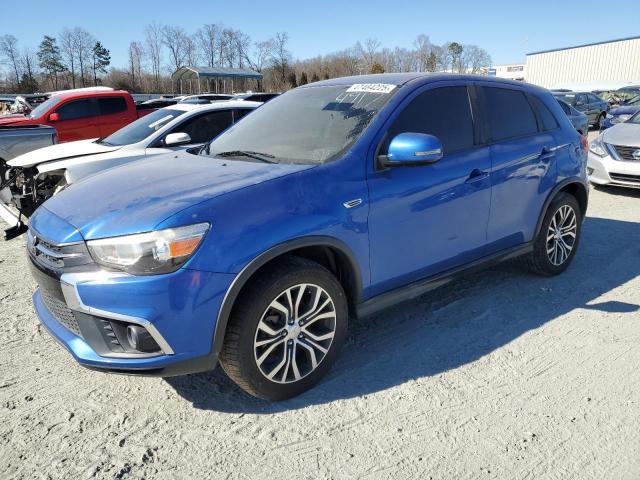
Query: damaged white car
29	179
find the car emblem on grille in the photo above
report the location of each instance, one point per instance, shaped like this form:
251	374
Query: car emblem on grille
636	155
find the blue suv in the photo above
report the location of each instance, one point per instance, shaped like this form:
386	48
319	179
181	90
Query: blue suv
334	200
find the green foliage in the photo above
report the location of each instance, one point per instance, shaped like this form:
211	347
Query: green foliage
101	60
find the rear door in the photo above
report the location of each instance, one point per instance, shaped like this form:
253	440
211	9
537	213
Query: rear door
522	164
113	113
77	120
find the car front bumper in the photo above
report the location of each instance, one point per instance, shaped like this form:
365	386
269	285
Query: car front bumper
609	171
179	310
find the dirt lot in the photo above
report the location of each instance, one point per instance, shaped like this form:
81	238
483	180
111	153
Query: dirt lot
500	375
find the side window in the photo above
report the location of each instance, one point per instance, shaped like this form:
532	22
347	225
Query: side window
442	112
239	113
565	108
76	109
548	120
581	99
110	105
509	113
594	99
207	126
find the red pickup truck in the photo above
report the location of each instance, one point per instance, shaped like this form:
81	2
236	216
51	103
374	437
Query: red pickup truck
83	114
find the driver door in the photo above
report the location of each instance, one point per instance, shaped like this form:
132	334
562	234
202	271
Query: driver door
427	219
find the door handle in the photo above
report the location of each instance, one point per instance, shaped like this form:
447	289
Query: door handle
476	176
547	153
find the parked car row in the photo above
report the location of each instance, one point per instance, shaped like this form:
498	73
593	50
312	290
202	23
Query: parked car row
333	200
594	107
33	177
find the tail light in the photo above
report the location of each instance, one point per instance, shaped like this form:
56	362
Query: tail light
584	143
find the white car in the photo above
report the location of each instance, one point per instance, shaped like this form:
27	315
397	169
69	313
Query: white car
33	177
614	156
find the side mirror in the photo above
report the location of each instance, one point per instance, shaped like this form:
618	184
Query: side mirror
413	149
54	117
174	139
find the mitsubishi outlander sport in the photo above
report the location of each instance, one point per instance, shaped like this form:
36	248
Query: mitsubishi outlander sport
333	200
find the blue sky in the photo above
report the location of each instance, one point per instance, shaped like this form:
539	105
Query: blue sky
506	29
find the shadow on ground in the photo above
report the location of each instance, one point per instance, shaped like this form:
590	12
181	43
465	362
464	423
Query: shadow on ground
452	326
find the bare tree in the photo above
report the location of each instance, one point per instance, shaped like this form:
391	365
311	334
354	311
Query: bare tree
423	51
135	63
474	59
281	57
153	42
207	39
262	51
191	56
174	39
29	62
368	52
67	43
10	54
83	43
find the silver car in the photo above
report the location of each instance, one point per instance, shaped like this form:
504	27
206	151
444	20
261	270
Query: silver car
614	156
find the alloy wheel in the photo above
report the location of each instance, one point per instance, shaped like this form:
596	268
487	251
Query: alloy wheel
295	333
561	235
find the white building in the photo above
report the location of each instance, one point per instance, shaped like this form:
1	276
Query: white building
595	66
512	71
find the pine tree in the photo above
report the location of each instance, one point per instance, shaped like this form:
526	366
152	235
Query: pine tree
101	60
315	77
303	79
50	59
432	62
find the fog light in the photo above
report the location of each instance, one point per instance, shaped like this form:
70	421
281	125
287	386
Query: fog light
589	170
140	339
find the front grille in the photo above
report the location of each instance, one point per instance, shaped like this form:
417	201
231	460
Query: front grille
61	312
627	153
620	177
56	256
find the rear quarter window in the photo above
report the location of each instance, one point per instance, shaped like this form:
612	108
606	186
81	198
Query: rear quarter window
545	115
509	113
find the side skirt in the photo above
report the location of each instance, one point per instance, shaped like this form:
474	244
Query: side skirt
415	289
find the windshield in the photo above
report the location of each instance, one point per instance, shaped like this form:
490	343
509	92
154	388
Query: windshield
142	128
635	119
635	101
309	125
44	107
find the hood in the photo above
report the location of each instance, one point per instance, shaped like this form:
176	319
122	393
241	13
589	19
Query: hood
59	152
624	110
627	134
13	119
137	197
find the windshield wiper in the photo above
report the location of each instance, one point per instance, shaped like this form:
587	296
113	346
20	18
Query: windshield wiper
263	157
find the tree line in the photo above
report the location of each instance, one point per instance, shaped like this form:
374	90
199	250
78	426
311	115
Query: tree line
75	58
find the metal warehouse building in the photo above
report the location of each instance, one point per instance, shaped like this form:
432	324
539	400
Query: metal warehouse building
612	61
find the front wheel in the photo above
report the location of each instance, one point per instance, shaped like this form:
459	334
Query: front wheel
286	330
557	242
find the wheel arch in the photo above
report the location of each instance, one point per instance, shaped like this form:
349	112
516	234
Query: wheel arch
573	186
330	252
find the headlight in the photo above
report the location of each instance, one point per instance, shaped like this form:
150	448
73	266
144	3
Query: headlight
597	146
620	118
162	251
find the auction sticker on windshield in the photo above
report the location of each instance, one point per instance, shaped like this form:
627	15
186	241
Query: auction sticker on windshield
371	88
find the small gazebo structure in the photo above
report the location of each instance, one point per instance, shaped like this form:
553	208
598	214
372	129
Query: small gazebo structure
223	78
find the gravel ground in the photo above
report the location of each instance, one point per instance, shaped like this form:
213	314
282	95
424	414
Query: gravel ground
499	375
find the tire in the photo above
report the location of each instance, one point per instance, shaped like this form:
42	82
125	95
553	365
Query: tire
267	351
550	256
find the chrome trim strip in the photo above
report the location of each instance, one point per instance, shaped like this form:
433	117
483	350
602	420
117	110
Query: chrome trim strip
53	254
352	203
69	283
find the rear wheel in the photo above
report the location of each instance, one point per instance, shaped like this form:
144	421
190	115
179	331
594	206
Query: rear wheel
557	242
598	124
286	330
